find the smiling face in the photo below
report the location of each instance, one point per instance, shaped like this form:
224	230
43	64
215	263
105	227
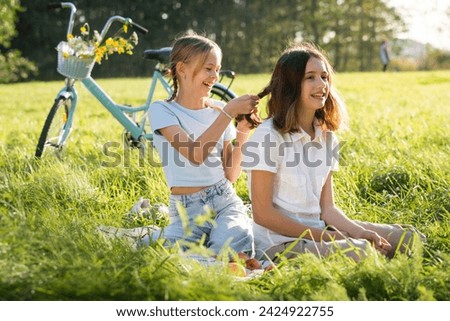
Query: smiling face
301	91
200	74
315	85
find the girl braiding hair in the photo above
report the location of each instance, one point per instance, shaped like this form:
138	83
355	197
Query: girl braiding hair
187	47
194	136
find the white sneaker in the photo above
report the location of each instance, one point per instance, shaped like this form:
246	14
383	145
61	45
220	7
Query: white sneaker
133	235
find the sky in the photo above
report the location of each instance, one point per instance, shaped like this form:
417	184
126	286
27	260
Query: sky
427	20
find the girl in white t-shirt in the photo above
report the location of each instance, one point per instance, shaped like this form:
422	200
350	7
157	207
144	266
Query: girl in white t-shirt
290	159
193	135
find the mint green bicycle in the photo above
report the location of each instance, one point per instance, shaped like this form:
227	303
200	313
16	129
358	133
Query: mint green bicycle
59	121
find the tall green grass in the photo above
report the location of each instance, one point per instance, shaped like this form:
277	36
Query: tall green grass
395	168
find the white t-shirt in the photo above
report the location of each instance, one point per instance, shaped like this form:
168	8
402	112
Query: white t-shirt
301	166
179	170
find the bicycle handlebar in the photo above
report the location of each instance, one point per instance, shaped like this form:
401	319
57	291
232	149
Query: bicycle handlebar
127	21
62	5
73	10
139	28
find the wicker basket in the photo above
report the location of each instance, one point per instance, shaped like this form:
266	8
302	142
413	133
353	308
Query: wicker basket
75	67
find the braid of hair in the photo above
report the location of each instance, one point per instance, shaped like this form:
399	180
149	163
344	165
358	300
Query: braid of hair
264	92
175	83
254	122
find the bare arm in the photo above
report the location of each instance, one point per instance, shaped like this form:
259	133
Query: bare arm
334	217
265	214
232	154
198	150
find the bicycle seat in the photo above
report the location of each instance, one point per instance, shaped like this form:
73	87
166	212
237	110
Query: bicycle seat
162	55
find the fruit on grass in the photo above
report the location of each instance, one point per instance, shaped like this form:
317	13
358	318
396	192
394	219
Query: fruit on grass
252	264
269	268
236	269
242	256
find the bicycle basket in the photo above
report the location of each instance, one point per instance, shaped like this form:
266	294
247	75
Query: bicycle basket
74	67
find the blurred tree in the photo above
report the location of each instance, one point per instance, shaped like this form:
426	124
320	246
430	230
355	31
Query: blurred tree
435	59
13	67
253	36
251	33
349	30
8	13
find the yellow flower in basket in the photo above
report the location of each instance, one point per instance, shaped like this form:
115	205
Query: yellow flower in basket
84	47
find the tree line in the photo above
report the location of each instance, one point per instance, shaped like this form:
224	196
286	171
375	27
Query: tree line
251	33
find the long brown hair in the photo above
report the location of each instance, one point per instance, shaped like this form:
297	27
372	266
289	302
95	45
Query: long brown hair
285	90
184	49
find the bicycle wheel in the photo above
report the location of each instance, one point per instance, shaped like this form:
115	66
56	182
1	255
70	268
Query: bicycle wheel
221	92
52	135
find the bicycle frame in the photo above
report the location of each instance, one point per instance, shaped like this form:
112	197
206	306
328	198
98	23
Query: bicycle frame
126	115
67	92
120	111
117	110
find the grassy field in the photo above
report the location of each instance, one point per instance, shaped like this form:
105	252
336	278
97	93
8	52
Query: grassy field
395	169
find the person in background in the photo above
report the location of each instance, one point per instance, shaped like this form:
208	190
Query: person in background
290	160
384	54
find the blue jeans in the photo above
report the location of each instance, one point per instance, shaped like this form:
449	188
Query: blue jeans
231	225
